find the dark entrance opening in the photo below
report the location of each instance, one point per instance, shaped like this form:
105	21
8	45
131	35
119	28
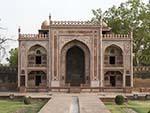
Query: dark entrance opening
75	66
37	80
22	81
38	60
113	80
112	60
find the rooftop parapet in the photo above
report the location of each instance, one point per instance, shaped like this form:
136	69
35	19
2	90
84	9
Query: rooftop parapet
33	36
74	23
116	36
46	24
141	69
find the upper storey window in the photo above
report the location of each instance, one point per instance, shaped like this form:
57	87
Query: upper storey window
37	56
112	60
113	56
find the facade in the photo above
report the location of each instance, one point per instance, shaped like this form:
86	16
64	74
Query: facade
81	54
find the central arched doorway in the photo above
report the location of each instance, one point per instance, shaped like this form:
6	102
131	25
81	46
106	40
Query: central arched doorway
75	66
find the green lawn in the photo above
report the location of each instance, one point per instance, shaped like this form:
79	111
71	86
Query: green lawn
138	106
8	106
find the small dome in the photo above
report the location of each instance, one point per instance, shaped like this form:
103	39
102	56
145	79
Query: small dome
45	24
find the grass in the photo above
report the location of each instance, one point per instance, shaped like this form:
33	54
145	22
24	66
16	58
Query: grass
114	108
138	106
11	106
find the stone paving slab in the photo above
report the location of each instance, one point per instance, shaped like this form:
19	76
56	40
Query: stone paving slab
58	104
92	104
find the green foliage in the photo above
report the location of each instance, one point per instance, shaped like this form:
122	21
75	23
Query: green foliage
147	97
131	15
148	111
119	99
27	100
13	58
17	106
97	15
139	106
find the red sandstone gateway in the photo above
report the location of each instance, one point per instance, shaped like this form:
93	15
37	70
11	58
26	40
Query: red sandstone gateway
76	56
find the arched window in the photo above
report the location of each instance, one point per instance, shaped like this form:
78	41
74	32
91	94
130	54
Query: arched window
37	56
113	55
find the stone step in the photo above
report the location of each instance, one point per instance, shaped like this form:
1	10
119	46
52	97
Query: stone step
75	90
36	90
113	90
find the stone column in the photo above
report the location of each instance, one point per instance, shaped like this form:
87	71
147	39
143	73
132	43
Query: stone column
26	63
131	56
19	61
124	78
95	77
55	81
101	56
49	57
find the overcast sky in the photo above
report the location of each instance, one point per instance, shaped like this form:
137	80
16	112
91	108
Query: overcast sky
29	14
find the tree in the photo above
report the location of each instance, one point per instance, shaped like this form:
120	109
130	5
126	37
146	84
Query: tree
3	41
132	14
13	59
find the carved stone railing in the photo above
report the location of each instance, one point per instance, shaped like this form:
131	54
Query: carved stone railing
33	36
141	68
113	65
37	65
87	23
116	36
8	69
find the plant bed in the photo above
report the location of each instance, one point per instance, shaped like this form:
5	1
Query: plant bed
18	106
138	106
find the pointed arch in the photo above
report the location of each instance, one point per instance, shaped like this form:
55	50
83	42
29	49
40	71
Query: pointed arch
80	46
37	56
113	56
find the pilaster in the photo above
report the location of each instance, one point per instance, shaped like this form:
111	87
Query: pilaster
19	61
124	78
101	56
131	56
49	58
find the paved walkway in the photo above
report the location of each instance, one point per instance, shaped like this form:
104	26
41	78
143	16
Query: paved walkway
61	103
92	104
58	104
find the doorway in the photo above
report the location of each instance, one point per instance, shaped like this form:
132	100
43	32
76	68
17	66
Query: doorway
113	81
37	80
75	66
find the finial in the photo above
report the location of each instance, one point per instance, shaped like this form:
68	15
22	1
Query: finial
19	30
49	16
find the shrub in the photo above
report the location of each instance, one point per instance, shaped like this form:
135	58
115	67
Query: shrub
147	97
119	99
148	111
27	100
135	96
11	96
